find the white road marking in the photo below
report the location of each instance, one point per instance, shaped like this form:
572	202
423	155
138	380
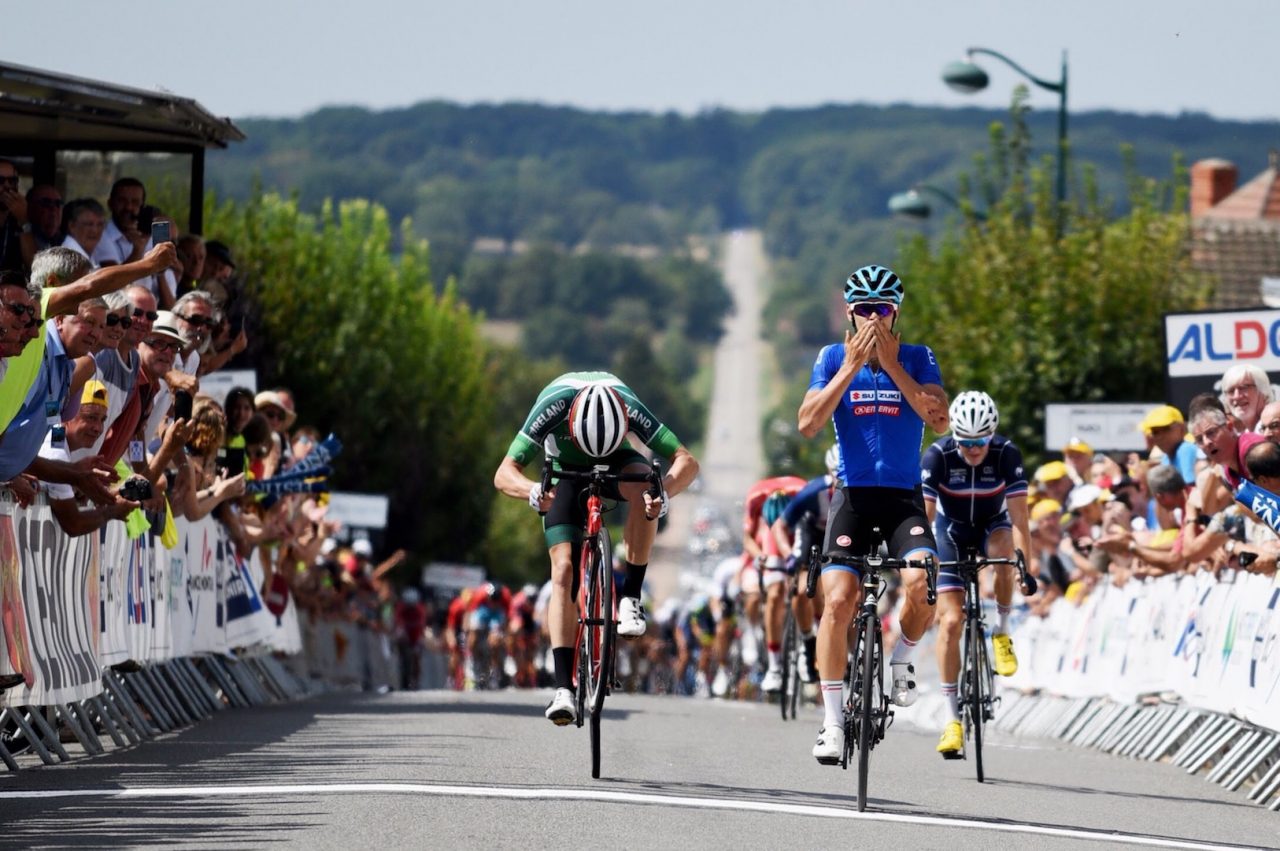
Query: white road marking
605	796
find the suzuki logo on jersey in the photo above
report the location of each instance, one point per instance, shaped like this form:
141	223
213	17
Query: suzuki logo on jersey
860	399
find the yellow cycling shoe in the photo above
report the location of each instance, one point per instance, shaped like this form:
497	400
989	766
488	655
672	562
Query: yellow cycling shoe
952	741
1006	662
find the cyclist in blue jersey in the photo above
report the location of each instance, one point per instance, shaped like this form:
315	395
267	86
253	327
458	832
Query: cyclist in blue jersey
803	522
880	394
975	491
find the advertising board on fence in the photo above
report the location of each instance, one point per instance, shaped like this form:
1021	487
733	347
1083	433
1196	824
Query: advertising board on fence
1105	426
1200	346
1213	641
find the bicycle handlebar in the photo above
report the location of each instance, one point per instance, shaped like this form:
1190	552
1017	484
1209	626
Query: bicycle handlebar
601	475
875	563
1019	561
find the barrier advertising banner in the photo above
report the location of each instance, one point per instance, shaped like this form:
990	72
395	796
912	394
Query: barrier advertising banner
1201	346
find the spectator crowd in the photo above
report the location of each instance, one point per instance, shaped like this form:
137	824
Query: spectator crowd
1098	517
105	337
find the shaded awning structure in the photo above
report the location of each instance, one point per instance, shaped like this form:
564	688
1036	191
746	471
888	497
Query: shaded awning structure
43	112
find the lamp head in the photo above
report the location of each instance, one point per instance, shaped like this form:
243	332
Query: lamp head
965	77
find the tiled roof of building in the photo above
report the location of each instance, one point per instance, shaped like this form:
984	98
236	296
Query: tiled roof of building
1237	254
1257	199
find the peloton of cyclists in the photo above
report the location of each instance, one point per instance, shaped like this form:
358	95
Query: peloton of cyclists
763	567
880	394
975	492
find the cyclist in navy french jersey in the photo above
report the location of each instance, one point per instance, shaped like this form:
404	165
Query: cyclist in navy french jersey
803	522
975	490
880	394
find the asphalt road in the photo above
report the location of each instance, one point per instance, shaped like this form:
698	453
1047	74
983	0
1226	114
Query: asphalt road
485	770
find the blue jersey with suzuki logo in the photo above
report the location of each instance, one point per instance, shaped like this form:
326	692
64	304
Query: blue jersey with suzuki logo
878	431
972	495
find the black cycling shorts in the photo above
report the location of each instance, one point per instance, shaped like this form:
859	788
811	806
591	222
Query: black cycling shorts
898	513
568	512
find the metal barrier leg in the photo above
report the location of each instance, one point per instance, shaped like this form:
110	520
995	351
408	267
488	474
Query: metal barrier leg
124	704
1116	727
83	732
1077	709
1181	723
212	665
1265	749
7	758
1239	751
200	684
243	671
1215	747
138	688
1192	745
17	716
1269	783
164	693
1144	731
50	735
93	707
182	691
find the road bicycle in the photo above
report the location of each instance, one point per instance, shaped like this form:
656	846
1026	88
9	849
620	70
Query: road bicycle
867	714
977	680
597	608
789	699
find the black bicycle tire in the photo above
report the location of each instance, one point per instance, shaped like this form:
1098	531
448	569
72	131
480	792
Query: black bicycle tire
584	637
866	728
796	682
785	697
603	673
976	708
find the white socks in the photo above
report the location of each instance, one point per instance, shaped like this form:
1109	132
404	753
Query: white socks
832	703
902	651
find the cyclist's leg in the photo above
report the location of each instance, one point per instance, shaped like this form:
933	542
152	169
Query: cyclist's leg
952	541
911	537
775	605
842	591
562	531
803	607
638	535
1000	545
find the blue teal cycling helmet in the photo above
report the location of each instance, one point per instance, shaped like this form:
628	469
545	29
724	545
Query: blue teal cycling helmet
774	506
873	283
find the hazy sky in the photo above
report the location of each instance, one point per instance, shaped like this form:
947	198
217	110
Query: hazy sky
287	57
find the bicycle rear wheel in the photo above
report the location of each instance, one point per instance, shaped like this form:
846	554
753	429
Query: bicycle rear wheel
869	671
599	638
790	668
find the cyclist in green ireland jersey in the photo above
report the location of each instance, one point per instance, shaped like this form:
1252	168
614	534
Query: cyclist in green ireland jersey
580	420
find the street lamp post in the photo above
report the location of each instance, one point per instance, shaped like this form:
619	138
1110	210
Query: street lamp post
912	203
967	77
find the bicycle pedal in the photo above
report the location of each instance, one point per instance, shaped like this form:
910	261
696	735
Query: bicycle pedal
953	754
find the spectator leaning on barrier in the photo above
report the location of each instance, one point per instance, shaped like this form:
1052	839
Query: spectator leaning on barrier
1052	481
201	486
66	338
44	211
118	363
82	431
19	317
1225	450
1245	390
84	220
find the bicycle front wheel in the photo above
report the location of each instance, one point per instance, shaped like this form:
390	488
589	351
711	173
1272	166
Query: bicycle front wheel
869	700
971	679
599	635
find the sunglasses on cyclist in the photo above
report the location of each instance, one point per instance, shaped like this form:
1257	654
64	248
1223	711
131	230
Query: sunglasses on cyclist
867	309
974	442
151	315
114	319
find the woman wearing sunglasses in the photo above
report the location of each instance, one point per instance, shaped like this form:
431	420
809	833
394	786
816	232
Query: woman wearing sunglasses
880	394
976	477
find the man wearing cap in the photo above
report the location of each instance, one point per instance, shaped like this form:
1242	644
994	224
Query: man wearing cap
1079	458
158	350
82	431
1167	430
1053	481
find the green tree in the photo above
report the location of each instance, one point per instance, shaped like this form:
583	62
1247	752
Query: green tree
373	353
1030	316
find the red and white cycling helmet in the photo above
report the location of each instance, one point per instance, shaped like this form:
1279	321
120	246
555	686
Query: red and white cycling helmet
598	420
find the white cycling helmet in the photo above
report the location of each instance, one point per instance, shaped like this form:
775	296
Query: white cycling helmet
598	420
973	414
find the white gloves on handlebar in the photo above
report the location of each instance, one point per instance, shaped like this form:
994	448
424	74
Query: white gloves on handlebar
535	496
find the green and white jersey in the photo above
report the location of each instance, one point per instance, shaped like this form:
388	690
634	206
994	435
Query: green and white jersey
547	426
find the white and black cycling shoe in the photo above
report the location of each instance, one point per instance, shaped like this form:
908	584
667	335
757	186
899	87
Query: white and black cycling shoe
904	691
829	749
630	618
562	710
